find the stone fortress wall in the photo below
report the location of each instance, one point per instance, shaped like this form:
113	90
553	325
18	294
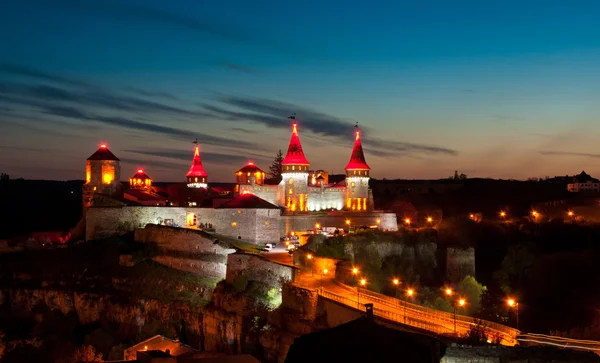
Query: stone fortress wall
302	223
186	249
258	268
460	263
254	225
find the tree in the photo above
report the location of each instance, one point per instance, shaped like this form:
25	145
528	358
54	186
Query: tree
275	168
86	354
4	176
471	290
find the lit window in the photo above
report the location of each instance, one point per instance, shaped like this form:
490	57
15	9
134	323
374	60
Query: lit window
196	180
293	167
352	183
291	181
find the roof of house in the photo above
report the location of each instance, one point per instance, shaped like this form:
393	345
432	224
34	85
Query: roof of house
250	168
295	154
584	177
357	159
139	174
103	154
364	341
247	201
162	343
144	196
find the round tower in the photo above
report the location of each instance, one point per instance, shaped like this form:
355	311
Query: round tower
294	173
357	178
196	177
140	181
102	175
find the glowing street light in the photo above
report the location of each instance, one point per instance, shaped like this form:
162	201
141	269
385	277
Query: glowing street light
325	271
407	221
472	216
449	291
312	270
502	214
354	271
348	221
409	294
396	281
570	213
379	221
317	226
461	303
363	282
512	303
429	219
535	214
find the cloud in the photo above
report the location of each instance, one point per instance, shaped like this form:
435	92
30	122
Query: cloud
154	163
568	153
207	157
239	68
146	93
273	114
25	71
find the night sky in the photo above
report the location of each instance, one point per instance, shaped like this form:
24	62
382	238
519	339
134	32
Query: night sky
504	89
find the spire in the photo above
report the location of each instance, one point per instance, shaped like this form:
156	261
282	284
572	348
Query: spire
295	155
196	169
357	160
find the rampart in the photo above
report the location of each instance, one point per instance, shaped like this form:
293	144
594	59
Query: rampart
258	268
255	225
494	354
186	249
460	263
301	223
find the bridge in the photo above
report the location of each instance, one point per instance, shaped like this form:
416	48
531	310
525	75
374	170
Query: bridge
441	323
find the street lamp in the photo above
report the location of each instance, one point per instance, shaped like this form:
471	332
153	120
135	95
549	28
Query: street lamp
363	282
429	219
324	273
512	303
407	221
396	282
570	213
379	221
409	294
347	221
461	303
449	291
502	214
535	214
312	271
317	226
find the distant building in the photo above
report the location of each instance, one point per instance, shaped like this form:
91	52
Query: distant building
583	183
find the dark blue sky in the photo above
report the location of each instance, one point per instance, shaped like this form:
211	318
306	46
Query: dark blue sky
492	88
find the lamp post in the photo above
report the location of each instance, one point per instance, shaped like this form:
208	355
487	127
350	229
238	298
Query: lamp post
502	214
396	282
461	303
429	220
312	271
512	303
409	294
324	273
363	282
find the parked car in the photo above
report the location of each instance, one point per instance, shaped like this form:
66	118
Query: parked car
268	247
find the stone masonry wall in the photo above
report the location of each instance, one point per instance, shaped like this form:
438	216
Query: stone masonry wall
254	225
460	263
186	249
299	223
257	268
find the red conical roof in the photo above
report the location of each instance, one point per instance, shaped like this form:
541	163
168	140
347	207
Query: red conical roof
197	169
295	155
357	160
103	154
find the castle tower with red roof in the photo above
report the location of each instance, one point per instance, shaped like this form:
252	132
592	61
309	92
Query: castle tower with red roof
357	178
102	175
196	177
293	188
140	181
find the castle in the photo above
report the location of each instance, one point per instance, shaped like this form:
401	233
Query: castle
251	209
304	190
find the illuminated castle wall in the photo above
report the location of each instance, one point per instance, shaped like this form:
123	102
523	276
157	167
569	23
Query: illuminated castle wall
304	190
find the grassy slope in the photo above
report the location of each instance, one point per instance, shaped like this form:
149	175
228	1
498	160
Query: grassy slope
94	266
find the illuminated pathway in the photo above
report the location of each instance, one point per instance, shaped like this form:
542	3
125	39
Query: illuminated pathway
439	322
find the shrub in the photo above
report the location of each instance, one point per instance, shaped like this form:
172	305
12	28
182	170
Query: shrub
240	282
